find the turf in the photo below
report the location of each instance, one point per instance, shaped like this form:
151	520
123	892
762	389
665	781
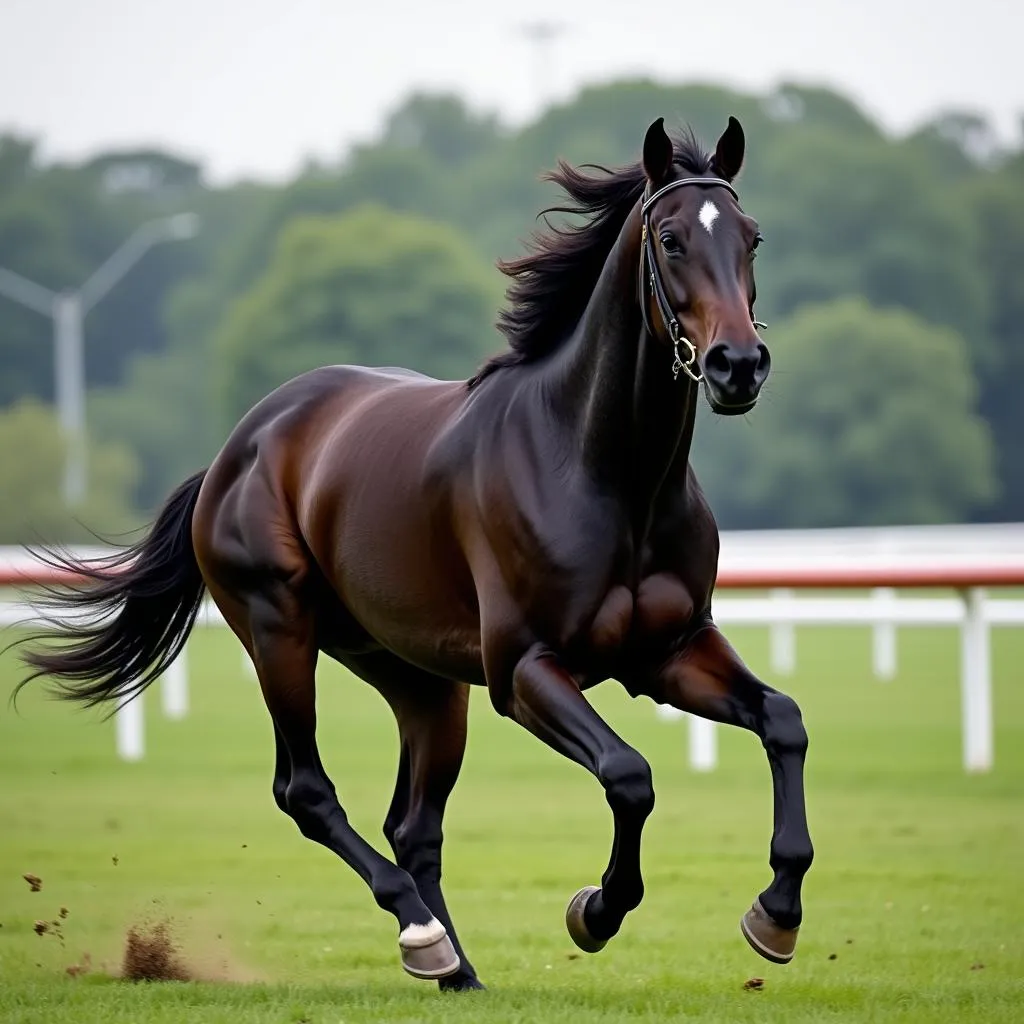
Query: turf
912	908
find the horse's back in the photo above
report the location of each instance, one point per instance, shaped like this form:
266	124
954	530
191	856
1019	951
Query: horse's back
289	439
334	468
316	402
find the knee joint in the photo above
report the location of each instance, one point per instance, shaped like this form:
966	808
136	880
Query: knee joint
784	731
628	784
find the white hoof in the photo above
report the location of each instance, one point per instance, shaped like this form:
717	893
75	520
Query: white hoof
427	952
766	937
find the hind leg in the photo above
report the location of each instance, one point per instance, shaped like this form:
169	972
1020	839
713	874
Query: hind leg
433	729
285	656
431	714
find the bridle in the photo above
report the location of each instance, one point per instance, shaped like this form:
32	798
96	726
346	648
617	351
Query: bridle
649	272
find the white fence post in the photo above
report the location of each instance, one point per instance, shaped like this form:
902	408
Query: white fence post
703	744
976	684
883	639
782	640
174	687
130	727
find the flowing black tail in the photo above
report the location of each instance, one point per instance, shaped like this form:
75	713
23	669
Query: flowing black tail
138	607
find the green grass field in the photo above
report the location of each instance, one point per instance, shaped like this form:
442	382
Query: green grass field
913	908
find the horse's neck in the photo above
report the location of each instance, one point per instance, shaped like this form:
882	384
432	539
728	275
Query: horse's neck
614	383
665	412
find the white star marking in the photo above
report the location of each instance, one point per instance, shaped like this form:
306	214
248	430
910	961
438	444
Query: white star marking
708	215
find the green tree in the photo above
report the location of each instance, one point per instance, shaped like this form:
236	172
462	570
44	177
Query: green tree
869	418
17	161
847	216
57	225
441	125
930	223
31	507
164	407
32	244
500	192
998	203
371	287
164	414
401	180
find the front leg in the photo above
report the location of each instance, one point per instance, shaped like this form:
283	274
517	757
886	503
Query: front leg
545	699
707	678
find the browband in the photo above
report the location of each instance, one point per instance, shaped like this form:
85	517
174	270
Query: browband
706	182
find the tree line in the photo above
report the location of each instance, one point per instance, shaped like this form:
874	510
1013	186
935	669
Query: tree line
890	278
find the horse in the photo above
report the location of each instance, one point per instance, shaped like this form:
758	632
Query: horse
535	530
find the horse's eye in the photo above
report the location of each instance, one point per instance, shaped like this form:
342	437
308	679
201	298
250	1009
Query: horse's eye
671	244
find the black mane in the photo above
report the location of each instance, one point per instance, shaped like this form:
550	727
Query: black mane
552	283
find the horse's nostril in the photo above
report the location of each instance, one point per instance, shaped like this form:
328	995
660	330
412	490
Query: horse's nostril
764	361
717	361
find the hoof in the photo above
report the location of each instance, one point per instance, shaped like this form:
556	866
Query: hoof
427	952
577	926
766	937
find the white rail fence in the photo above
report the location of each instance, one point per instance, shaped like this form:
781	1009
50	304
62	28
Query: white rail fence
967	559
975	613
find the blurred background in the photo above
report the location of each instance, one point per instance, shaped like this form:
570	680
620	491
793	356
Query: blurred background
199	203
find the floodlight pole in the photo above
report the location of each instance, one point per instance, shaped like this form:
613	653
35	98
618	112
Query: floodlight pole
67	309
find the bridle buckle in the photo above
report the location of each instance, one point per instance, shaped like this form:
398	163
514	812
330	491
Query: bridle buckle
678	363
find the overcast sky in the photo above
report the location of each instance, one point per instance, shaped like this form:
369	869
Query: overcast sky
252	87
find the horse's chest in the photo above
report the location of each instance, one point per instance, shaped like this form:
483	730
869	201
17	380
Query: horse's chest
659	610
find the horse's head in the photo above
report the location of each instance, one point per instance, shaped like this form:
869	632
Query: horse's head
696	272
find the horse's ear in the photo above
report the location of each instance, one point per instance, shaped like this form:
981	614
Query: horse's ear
729	152
657	152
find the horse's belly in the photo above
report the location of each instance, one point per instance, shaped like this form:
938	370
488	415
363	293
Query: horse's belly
432	628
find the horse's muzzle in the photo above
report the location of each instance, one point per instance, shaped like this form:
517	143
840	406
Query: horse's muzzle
733	375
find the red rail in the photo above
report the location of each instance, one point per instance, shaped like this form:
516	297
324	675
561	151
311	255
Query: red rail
836	577
25	576
825	578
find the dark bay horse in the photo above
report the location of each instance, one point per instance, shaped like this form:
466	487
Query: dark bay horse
535	530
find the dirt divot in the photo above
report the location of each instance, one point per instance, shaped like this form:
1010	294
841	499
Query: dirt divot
151	954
